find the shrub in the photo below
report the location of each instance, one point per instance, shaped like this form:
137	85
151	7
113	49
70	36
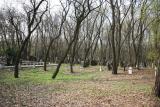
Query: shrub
94	62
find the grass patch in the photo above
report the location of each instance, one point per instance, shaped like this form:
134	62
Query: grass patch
38	76
29	77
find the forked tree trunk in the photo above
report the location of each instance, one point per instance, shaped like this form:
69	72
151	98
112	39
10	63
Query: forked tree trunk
46	56
18	57
73	55
30	22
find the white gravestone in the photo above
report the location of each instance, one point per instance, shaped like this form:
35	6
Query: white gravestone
130	70
100	69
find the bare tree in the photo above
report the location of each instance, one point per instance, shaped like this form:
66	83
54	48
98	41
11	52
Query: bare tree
64	13
34	18
81	9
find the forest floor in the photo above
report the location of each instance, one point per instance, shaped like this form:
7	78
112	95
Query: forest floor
85	88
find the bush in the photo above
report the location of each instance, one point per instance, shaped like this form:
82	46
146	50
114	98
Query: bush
94	62
11	54
152	55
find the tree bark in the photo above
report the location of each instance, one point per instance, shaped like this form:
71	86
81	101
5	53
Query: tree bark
114	62
157	82
16	71
68	49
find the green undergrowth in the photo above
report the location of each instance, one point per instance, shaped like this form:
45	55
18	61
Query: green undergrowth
38	76
34	77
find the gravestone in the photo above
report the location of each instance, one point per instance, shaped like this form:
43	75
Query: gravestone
130	70
100	69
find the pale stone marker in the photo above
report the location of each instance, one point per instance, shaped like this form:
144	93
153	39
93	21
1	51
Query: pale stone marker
130	70
100	69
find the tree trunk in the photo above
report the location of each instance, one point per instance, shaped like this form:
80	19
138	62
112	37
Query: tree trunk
114	62
76	34
68	49
62	60
16	71
139	50
46	56
18	57
157	82
73	55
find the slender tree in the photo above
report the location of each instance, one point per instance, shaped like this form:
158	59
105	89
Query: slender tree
34	18
81	10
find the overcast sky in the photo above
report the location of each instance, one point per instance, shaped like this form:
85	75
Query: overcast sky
54	4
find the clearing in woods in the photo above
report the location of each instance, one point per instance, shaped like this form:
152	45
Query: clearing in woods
85	88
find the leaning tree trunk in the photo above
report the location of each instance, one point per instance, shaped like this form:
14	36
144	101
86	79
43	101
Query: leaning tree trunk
68	49
46	56
76	34
52	40
62	60
157	82
73	55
